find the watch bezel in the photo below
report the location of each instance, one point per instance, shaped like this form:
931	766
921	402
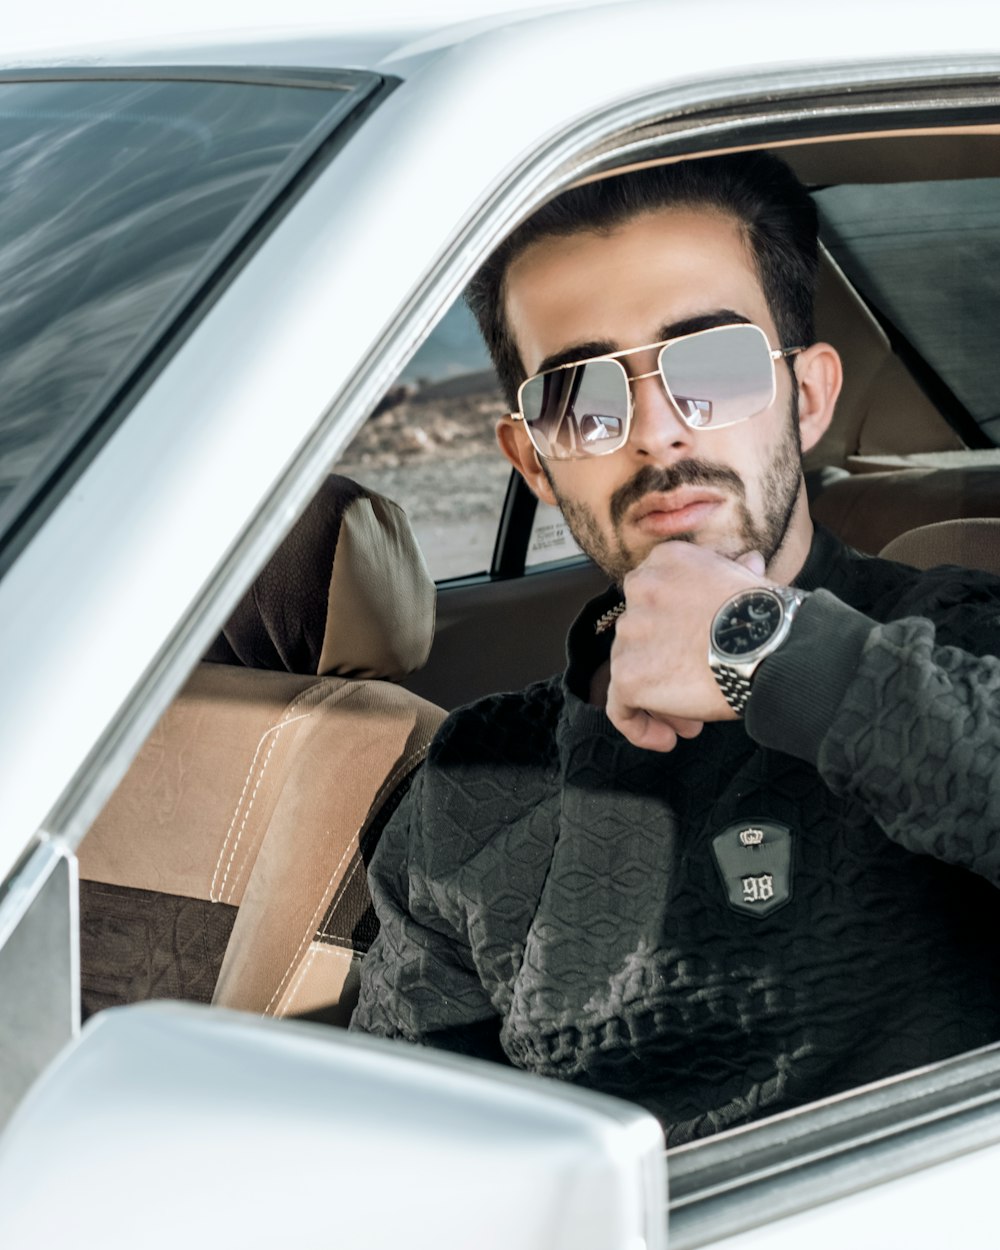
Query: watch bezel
773	639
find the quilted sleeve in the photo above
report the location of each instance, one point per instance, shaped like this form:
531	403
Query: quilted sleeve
907	727
418	980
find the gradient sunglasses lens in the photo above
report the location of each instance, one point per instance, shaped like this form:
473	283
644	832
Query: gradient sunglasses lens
576	412
719	377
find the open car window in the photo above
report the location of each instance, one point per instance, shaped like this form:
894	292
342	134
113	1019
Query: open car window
430	445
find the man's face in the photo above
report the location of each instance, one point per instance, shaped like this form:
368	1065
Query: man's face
734	489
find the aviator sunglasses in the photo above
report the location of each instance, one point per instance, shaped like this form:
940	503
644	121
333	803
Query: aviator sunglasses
713	378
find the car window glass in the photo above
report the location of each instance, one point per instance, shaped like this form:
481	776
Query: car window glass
430	446
925	255
114	194
550	539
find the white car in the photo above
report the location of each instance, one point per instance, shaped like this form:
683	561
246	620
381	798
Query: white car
230	270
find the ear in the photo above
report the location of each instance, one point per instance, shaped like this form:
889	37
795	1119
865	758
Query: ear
516	446
820	376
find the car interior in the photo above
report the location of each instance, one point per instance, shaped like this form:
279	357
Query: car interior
228	867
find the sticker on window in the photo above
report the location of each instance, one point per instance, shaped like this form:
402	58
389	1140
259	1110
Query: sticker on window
550	538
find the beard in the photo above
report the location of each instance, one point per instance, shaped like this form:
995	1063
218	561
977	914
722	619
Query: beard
780	487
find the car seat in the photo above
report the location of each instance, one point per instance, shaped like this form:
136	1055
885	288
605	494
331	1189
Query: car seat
229	864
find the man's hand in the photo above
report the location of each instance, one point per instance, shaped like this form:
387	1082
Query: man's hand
661	685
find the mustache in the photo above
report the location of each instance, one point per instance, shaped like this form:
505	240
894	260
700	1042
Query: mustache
662	479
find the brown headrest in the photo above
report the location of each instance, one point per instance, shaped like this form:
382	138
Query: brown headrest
347	593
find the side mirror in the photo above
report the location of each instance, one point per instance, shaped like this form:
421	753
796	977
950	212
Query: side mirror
170	1126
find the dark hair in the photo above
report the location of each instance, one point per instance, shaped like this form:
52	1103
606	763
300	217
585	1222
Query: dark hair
755	188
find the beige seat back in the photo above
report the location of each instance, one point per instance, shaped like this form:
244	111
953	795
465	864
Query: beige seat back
230	863
868	510
972	544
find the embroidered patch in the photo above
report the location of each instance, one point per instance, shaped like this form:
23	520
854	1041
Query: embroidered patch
754	859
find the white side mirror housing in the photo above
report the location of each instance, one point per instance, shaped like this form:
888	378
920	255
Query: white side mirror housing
195	1127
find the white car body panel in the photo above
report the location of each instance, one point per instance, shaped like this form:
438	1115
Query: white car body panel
280	1131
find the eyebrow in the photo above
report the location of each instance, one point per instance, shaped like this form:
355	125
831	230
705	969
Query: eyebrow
672	330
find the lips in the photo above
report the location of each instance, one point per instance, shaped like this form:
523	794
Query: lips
664	514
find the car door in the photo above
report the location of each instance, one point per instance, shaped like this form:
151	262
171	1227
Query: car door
130	199
228	438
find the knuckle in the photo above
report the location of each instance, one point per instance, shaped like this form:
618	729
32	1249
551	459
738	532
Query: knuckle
623	669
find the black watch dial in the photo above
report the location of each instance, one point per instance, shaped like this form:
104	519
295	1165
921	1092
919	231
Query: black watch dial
747	624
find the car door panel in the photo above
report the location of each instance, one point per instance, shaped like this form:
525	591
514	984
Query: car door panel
503	634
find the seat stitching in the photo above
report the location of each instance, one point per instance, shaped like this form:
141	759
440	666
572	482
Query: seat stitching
311	932
293	994
323	931
306	965
274	730
323	694
332	697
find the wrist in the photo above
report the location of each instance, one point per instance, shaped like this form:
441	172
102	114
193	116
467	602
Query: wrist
795	697
746	630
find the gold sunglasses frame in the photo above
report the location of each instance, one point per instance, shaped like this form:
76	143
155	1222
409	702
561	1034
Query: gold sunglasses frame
774	353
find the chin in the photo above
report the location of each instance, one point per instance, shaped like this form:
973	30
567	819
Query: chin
639	554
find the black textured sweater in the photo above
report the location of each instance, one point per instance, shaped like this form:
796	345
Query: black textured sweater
775	911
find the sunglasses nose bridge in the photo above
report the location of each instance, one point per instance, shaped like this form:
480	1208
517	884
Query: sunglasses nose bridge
679	431
633	378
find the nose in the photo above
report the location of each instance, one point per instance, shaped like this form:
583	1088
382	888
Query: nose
657	433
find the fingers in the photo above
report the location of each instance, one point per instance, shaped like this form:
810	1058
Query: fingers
662	688
753	561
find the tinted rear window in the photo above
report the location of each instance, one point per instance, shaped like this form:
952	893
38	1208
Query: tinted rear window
927	256
117	196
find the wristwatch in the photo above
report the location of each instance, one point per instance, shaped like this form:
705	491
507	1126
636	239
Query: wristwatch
748	628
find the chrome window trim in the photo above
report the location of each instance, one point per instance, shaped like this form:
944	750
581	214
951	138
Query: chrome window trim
756	1175
889	103
354	80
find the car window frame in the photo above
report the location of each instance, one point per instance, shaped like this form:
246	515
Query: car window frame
749	1178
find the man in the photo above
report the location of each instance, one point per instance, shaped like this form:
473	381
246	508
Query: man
742	854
